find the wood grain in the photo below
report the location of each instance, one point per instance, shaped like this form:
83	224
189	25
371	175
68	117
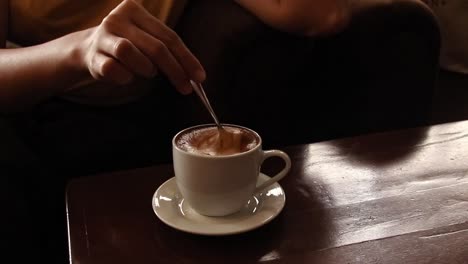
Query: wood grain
396	197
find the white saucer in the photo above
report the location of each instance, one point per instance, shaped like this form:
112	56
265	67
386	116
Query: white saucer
169	206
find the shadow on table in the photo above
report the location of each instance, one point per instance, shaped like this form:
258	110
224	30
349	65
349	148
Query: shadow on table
382	149
303	225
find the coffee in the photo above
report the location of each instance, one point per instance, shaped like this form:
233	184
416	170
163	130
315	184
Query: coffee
218	172
211	141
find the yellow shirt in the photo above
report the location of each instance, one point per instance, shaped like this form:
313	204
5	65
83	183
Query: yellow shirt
36	21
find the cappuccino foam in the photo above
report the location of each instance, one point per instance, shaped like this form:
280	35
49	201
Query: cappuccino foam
211	141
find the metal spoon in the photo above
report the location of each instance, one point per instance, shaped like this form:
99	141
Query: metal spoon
201	93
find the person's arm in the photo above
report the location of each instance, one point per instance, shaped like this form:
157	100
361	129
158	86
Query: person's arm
129	42
3	22
305	17
28	75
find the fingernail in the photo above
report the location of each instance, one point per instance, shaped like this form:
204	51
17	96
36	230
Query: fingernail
186	89
200	75
127	80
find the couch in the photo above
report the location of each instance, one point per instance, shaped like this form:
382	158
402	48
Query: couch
378	74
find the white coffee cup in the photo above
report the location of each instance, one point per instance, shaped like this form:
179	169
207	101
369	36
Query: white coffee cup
222	185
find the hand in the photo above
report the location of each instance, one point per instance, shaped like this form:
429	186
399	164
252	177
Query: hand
130	43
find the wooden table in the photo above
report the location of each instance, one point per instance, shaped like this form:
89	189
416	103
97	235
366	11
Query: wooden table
398	197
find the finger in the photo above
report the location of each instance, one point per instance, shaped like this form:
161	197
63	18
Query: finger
108	69
155	49
162	58
173	42
123	49
166	62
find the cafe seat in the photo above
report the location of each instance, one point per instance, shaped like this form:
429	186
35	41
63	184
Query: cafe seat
378	74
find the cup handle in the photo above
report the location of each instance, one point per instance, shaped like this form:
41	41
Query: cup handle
275	153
